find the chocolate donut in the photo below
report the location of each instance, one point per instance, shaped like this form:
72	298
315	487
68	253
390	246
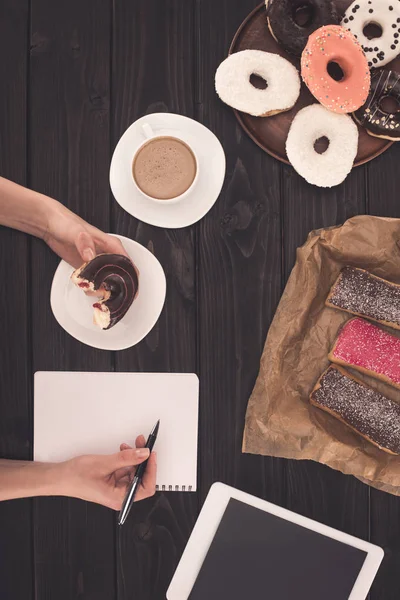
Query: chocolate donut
377	121
289	34
113	278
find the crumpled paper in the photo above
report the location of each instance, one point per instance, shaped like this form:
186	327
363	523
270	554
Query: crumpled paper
280	420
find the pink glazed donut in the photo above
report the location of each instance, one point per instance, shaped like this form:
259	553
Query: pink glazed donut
334	44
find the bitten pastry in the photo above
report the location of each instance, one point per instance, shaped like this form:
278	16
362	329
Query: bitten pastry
114	279
375	417
367	348
377	121
282	23
232	83
358	292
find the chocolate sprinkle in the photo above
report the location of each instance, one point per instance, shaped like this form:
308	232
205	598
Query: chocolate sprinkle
361	407
360	292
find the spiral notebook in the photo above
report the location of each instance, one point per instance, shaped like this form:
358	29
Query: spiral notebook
93	413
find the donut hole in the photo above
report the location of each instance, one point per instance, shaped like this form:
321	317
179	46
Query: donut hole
258	82
389	105
321	145
372	30
335	70
303	15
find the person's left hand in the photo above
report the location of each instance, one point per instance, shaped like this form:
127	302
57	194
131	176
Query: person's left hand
75	240
105	479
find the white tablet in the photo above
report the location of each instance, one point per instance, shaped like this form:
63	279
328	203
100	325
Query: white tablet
243	547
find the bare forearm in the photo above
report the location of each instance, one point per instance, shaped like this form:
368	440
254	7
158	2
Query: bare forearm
25	209
24	479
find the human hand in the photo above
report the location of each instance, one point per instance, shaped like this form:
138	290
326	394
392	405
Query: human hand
75	240
105	479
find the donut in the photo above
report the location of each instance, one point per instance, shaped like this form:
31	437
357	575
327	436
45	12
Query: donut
333	166
332	45
377	121
232	83
385	14
293	37
114	279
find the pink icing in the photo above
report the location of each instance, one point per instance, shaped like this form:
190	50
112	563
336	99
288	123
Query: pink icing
333	43
364	345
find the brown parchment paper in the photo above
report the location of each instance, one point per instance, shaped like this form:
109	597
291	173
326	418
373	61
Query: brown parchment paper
279	420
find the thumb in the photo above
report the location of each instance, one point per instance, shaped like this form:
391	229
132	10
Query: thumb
85	246
128	458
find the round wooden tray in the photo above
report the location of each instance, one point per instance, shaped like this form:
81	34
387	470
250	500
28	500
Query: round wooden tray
270	133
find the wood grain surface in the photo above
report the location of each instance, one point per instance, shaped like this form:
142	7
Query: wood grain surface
69	154
74	76
15	356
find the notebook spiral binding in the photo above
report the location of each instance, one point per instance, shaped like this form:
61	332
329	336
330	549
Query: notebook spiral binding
174	488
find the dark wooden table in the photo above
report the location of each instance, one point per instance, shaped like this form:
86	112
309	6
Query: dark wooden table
73	76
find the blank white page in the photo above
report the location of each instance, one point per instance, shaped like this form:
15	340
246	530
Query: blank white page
93	413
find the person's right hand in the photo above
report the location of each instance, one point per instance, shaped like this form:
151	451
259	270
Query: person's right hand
105	479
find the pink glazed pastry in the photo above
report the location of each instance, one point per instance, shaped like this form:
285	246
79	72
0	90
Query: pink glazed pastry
333	44
367	348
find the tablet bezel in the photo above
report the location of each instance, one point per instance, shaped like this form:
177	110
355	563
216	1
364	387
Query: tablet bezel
208	523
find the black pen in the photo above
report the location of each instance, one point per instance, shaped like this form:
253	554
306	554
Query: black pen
137	480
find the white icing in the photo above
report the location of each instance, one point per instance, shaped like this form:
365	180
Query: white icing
333	166
232	82
101	317
385	14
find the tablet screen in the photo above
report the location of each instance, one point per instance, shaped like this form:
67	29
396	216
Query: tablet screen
257	555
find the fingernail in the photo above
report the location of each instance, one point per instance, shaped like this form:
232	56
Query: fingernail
143	452
88	254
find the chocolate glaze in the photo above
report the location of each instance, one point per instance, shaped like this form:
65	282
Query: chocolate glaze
288	33
362	408
117	275
384	83
361	293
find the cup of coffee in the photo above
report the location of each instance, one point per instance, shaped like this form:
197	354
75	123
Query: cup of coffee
164	167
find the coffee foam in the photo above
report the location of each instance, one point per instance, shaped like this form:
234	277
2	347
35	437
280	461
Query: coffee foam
164	168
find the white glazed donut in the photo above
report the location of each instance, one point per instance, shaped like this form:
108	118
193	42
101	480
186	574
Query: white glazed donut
333	166
386	14
232	83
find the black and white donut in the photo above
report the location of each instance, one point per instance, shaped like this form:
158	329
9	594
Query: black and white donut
332	166
377	121
384	13
232	83
282	23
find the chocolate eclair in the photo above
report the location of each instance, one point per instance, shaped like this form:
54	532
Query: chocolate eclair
114	279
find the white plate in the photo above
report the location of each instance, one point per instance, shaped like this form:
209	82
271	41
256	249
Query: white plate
74	310
197	203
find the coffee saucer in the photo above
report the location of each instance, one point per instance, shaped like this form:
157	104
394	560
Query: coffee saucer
74	310
198	201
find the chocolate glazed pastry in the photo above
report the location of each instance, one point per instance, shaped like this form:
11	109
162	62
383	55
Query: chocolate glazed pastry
291	22
377	121
361	408
360	293
113	278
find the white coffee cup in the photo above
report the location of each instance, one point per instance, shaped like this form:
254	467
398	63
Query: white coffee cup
150	135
